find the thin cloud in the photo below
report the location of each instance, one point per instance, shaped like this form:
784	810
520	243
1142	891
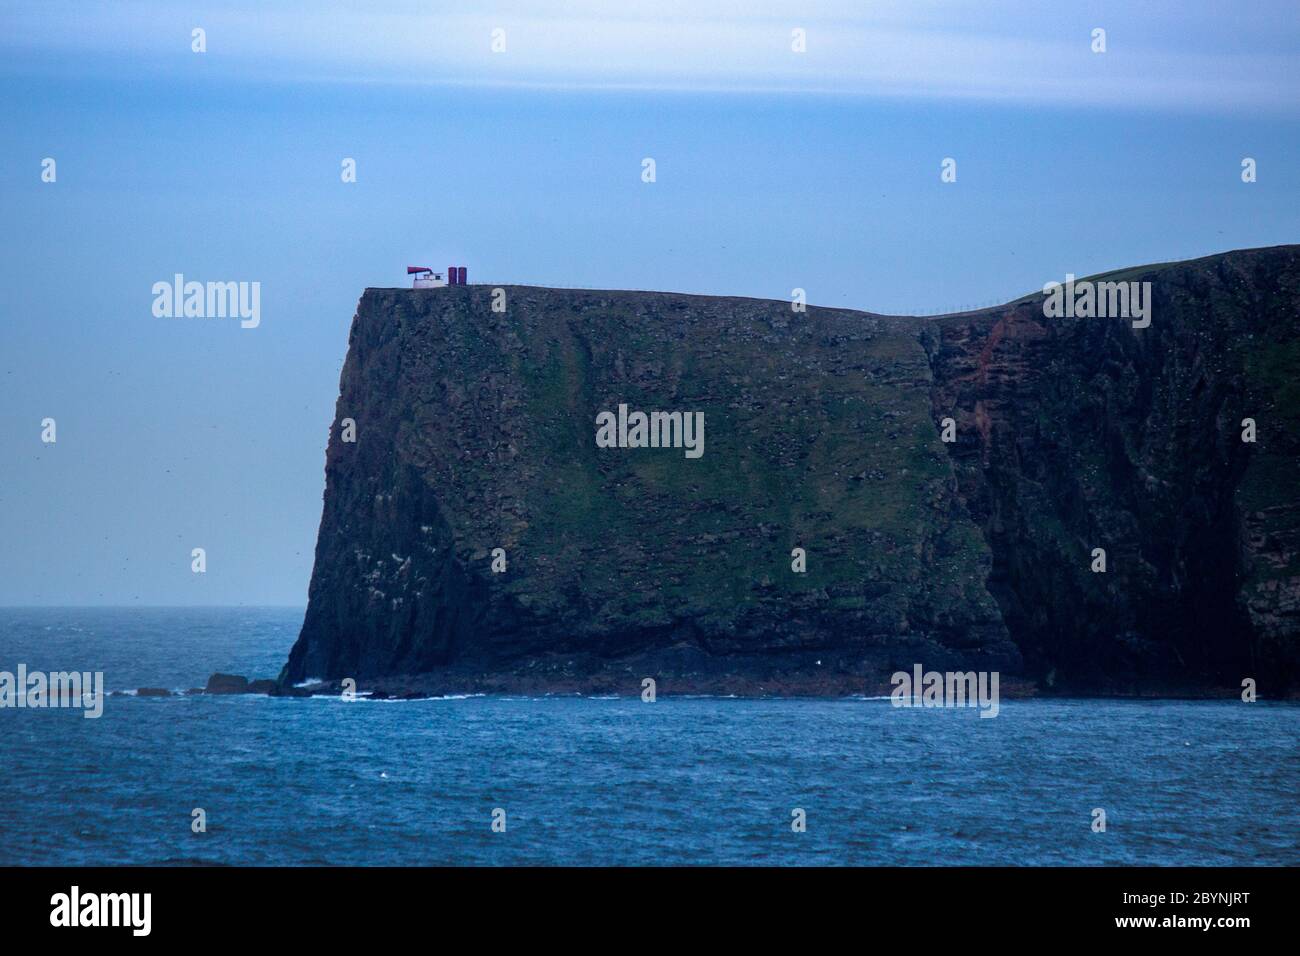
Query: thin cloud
1157	56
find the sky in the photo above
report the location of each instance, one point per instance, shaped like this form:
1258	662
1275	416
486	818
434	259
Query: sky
774	169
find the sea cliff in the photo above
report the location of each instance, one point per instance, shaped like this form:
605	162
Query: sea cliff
477	536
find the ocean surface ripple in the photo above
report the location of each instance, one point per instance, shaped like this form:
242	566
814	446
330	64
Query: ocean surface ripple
605	781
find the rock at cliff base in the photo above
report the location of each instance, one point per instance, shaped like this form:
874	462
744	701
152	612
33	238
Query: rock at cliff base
227	684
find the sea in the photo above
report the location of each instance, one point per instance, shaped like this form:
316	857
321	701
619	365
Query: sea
594	781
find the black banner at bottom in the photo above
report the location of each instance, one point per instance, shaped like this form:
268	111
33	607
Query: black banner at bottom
332	905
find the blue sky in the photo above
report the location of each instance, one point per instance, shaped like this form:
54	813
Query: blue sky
774	170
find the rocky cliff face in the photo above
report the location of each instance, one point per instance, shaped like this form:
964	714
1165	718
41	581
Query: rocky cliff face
1084	433
475	534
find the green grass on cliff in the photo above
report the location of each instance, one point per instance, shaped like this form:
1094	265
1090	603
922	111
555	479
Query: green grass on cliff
822	443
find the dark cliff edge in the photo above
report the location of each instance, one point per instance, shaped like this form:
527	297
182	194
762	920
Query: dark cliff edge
475	431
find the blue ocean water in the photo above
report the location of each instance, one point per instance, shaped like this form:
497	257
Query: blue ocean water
605	781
